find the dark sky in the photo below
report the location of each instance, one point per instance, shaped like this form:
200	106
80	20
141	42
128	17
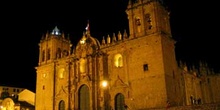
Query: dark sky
194	27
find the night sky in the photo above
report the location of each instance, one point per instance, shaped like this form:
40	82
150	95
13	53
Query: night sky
194	27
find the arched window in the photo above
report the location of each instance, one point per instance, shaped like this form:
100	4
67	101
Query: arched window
61	73
82	66
84	98
148	23
61	105
58	53
43	55
48	54
44	75
138	24
118	60
120	102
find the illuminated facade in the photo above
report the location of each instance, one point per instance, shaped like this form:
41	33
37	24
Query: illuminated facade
140	68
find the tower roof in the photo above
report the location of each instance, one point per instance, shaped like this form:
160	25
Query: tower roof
56	31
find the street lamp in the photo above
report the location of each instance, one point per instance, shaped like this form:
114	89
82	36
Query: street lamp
104	84
1	107
104	94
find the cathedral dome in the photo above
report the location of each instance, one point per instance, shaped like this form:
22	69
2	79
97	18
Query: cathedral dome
87	45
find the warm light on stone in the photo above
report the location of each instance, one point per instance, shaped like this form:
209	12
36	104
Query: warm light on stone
104	84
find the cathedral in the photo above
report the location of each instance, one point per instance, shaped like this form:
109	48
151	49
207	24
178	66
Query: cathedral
136	70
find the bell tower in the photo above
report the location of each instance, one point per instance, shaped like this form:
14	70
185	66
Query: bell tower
53	47
149	28
147	17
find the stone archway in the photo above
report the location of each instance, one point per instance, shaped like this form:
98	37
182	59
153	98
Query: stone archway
120	102
84	98
62	105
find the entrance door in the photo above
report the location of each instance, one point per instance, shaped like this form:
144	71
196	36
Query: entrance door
84	98
62	105
119	102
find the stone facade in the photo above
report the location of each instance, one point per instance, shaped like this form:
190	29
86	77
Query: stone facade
140	68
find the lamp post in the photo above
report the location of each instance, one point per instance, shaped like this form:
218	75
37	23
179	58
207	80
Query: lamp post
104	84
1	107
104	94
